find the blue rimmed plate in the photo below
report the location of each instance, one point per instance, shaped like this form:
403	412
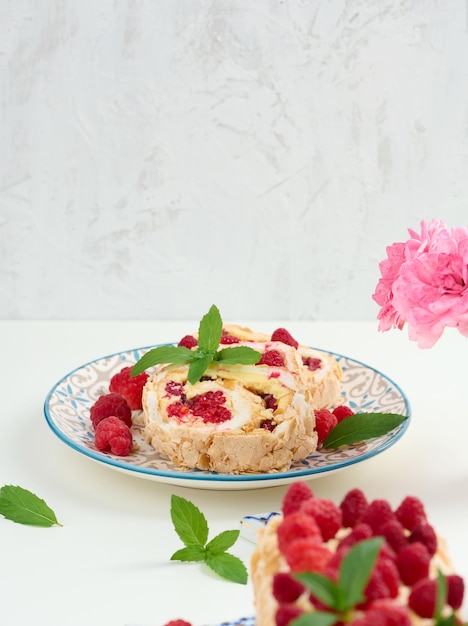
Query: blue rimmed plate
67	407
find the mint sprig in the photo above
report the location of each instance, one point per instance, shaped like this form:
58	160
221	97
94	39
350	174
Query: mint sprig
209	336
191	526
24	507
348	591
362	426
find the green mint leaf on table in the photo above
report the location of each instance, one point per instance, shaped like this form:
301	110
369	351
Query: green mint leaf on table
353	575
362	426
191	526
209	336
24	507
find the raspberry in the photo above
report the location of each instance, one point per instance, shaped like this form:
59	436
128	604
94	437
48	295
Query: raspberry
387	613
178	622
394	534
341	412
286	589
209	406
413	563
326	514
110	404
226	338
425	534
188	341
311	363
358	533
296	494
353	507
112	435
378	513
422	599
174	388
297	526
273	358
455	591
390	575
130	387
307	555
325	421
411	512
281	334
270	401
286	613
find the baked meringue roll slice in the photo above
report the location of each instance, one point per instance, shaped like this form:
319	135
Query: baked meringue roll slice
239	419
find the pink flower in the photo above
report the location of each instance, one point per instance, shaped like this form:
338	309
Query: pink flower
424	283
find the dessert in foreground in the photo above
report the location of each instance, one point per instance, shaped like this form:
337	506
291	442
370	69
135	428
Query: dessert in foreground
240	417
359	563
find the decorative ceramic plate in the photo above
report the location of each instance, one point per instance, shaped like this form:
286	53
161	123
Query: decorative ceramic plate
67	412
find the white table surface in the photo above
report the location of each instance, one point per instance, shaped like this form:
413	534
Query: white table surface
109	563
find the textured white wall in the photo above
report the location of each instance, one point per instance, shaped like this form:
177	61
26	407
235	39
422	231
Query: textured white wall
159	156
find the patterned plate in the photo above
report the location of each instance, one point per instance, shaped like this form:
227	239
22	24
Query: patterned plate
67	412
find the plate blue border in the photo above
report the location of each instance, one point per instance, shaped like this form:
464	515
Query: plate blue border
237	478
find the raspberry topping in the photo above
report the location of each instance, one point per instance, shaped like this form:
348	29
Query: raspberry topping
174	388
270	401
422	599
273	358
178	622
378	513
352	507
326	514
312	363
413	563
296	526
286	589
425	534
286	613
110	404
226	338
209	407
281	334
394	534
455	591
130	387
307	554
268	425
112	435
358	533
325	421
188	341
295	496
411	512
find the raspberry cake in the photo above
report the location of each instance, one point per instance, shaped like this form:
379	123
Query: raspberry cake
316	535
242	418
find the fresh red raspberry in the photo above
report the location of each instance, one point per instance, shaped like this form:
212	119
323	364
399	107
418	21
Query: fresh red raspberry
307	555
188	341
178	622
174	388
424	533
388	613
110	404
281	334
342	412
210	407
286	613
422	599
325	421
358	533
130	387
394	534
378	513
226	338
312	363
296	526
353	507
296	494
413	563
455	591
411	512
112	435
286	589
273	358
390	575
326	514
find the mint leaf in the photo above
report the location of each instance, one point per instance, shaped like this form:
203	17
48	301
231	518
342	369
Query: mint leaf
191	526
163	354
24	507
198	367
228	566
362	426
355	570
317	618
240	354
323	588
189	522
210	330
189	553
223	541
